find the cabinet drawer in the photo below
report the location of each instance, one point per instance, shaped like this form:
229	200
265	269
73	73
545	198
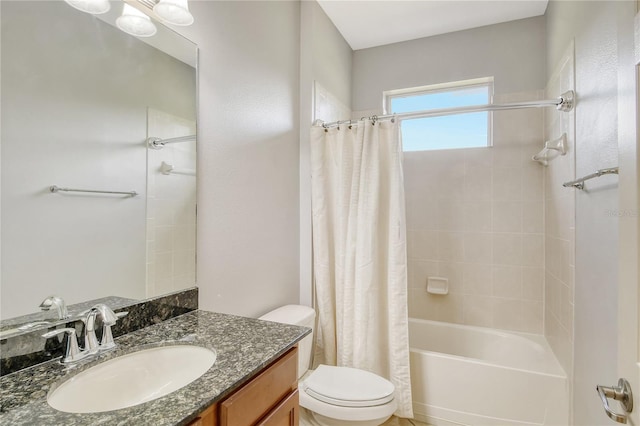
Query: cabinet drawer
285	414
263	393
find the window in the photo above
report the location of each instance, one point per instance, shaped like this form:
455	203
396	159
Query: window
471	130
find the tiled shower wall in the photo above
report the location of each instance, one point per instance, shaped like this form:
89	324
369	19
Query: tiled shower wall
171	207
560	223
475	216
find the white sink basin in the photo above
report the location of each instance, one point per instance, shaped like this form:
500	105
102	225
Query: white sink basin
132	379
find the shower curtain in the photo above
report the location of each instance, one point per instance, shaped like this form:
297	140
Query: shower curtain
359	251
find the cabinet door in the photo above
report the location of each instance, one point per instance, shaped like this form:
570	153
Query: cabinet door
285	414
207	418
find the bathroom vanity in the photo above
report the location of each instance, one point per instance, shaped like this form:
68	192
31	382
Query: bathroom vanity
253	379
269	399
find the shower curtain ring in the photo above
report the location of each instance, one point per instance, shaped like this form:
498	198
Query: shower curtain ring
374	118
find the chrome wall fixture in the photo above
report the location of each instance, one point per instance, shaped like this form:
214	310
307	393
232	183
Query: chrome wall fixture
169	169
621	393
159	143
551	150
56	188
564	103
579	183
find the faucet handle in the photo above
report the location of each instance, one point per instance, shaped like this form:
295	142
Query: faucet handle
58	303
72	352
107	342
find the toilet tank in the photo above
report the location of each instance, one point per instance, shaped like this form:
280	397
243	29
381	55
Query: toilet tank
297	315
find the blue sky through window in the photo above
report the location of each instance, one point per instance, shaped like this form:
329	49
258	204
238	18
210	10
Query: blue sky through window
447	132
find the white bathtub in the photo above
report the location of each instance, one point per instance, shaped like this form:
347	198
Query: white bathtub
464	375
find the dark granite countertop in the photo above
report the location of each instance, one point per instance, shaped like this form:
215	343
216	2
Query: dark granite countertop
244	346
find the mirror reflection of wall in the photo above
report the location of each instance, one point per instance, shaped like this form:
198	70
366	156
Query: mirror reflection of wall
171	205
77	96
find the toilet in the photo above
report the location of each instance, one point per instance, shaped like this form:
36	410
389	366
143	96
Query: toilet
336	396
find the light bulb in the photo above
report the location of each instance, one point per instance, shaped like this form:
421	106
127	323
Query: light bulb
135	22
95	7
174	12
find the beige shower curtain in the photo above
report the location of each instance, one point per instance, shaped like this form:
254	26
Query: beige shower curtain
360	256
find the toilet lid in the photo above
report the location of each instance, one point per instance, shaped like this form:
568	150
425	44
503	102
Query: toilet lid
348	387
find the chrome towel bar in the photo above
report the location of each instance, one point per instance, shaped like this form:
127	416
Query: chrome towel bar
579	183
56	188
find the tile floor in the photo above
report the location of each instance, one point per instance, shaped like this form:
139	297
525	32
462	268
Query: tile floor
395	421
306	420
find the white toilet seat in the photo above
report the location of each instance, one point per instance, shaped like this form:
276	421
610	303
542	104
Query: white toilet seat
346	413
347	394
348	387
347	403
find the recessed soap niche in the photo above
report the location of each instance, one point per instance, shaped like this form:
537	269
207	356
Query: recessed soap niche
438	285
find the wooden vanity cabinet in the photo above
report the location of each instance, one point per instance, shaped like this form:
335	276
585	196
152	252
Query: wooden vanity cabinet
269	399
285	414
208	417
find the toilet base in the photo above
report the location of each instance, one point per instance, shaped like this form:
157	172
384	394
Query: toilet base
326	421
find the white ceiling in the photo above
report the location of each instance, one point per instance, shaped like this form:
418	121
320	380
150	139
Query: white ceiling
369	23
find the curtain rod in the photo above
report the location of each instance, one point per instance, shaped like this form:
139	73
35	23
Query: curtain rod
564	103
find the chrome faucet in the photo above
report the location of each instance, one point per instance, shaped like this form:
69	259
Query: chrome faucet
90	340
72	352
109	318
57	303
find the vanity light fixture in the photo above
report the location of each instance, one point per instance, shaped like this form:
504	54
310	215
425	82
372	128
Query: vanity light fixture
94	7
175	12
134	22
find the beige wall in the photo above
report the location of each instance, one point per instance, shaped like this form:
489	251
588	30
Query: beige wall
325	58
512	52
602	32
474	216
248	154
171	206
559	221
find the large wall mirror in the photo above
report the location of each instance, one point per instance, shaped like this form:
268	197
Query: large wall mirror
79	101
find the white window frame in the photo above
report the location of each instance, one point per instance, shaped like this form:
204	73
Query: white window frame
388	95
